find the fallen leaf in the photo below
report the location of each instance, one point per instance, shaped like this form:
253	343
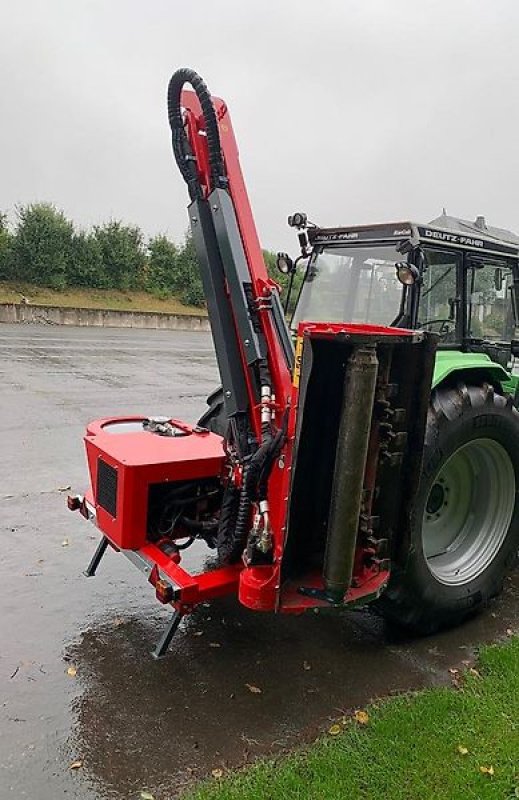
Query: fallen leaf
146	796
462	750
475	672
334	730
454	671
214	644
72	672
509	632
64	489
76	764
362	717
487	770
306	665
253	689
64	543
198	633
217	773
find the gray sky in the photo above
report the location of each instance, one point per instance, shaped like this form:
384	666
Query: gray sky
351	111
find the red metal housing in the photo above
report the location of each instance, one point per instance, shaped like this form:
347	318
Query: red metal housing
140	459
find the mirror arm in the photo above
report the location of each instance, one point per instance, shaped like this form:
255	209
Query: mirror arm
289	290
303	244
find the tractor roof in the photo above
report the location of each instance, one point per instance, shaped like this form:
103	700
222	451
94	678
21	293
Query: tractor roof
445	231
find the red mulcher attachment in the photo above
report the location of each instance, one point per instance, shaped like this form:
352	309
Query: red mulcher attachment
340	493
309	494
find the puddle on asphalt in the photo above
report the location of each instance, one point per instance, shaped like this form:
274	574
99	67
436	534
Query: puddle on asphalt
163	725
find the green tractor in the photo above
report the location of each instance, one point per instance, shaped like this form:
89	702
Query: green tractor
460	280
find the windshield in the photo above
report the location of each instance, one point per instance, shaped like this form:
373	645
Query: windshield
351	284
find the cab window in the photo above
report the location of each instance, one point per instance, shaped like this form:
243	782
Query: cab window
489	307
437	309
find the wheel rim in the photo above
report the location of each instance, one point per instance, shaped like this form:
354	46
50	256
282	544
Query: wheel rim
468	511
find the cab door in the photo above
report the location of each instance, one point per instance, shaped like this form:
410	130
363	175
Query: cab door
440	307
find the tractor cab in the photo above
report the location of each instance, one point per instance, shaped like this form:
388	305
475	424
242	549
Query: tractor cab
455	278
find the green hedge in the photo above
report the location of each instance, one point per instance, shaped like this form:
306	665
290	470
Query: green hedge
45	248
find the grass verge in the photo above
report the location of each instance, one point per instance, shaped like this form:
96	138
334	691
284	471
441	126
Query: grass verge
108	299
442	743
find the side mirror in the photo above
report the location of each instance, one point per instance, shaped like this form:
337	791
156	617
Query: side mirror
407	274
298	220
498	279
284	263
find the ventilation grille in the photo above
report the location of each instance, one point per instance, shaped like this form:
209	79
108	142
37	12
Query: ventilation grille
107	487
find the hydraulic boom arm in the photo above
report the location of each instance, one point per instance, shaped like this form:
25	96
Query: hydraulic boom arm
253	346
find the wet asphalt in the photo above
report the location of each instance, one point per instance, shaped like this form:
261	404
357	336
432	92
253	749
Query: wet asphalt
133	723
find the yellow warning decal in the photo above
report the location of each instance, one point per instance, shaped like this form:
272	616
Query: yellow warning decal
297	361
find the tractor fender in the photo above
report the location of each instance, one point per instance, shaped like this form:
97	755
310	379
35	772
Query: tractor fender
479	366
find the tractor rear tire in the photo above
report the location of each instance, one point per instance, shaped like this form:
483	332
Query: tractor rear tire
464	535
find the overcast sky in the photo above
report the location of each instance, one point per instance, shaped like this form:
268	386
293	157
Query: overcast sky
351	111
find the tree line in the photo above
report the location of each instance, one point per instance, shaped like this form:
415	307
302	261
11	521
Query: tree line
45	248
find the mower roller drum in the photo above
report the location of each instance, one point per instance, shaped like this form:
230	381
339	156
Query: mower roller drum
464	535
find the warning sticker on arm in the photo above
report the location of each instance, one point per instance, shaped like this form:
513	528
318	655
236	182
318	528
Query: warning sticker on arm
297	361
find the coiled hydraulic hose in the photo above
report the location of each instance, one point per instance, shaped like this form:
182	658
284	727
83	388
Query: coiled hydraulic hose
181	148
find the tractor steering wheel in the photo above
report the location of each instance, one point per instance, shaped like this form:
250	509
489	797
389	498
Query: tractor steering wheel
442	322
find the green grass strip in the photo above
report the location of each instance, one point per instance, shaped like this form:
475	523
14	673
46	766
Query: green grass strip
409	750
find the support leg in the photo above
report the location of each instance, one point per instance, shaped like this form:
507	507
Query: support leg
96	558
165	639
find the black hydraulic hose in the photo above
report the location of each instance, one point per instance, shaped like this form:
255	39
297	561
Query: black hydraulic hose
199	525
242	515
276	444
250	484
255	476
183	153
